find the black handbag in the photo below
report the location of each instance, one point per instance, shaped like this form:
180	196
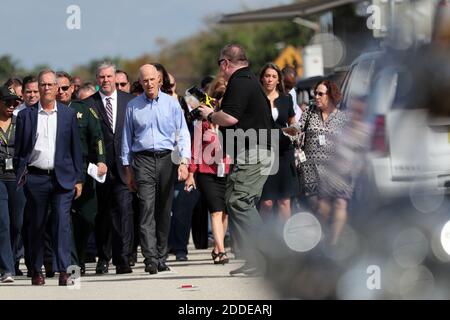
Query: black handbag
306	187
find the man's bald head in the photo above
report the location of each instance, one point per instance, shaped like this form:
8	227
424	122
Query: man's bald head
149	79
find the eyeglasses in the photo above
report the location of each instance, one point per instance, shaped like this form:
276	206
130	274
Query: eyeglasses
320	94
11	103
64	88
121	84
50	85
219	62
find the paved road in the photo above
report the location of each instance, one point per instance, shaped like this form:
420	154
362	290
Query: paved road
210	282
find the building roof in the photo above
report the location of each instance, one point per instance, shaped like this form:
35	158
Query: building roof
301	9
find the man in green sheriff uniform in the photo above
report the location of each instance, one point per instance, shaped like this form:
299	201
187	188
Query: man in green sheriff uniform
84	209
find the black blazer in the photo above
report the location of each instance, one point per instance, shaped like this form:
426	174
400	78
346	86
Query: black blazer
68	159
113	141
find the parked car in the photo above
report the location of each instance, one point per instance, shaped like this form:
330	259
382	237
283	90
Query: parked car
410	148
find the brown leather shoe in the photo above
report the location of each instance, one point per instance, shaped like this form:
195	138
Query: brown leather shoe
64	279
37	279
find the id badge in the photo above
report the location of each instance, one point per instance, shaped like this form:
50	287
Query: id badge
221	170
322	140
302	156
9	164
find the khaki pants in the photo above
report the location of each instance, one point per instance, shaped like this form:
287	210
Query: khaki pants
244	187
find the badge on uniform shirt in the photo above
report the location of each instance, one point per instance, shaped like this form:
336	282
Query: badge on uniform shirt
79	115
221	170
9	164
322	140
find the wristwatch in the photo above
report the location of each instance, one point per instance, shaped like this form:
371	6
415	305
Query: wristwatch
209	117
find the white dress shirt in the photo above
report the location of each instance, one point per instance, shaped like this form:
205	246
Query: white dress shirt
43	154
19	108
297	109
114	106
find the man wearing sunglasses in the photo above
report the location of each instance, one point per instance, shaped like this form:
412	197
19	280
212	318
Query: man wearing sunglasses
244	107
93	150
12	200
122	82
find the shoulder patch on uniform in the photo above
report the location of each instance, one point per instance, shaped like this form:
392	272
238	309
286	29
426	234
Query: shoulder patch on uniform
93	113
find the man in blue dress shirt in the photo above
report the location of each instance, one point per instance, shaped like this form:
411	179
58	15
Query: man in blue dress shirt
154	125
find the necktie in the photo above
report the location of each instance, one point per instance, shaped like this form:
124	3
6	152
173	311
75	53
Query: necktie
109	111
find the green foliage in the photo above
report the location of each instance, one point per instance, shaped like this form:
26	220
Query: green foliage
8	67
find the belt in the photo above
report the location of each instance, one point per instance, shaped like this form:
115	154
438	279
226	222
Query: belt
34	170
156	154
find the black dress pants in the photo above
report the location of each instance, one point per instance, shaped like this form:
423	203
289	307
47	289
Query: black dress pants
154	174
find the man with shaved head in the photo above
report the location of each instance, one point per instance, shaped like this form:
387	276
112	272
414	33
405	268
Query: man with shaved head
115	214
153	121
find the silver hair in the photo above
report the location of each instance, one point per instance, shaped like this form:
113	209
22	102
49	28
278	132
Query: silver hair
104	65
45	71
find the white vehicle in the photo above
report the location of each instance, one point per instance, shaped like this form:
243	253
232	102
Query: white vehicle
410	149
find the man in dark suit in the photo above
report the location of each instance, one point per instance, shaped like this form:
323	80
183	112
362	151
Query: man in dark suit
114	198
48	163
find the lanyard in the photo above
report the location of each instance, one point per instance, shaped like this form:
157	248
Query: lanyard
331	116
6	139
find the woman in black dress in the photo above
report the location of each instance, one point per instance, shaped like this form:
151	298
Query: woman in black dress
283	185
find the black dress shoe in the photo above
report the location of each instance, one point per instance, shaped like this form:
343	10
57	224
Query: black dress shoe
64	279
162	266
151	268
37	279
102	267
17	269
123	269
82	269
49	273
182	258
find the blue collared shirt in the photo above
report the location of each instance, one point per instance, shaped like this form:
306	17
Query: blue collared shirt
154	125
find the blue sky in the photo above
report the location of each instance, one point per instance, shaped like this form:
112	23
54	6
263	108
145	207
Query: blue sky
35	32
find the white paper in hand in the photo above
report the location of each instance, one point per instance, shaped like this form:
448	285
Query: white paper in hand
92	171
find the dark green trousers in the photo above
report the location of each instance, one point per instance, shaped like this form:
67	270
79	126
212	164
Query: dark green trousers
84	210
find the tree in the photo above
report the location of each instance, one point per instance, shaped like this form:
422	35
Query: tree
8	67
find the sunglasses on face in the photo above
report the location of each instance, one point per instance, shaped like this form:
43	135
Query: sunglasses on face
121	84
64	88
219	62
11	103
320	94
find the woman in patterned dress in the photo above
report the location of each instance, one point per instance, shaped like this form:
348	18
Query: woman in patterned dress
325	124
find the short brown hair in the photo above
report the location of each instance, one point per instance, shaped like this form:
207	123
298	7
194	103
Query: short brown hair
332	91
235	53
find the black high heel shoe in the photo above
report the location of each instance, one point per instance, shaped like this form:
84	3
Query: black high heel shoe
220	256
214	255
